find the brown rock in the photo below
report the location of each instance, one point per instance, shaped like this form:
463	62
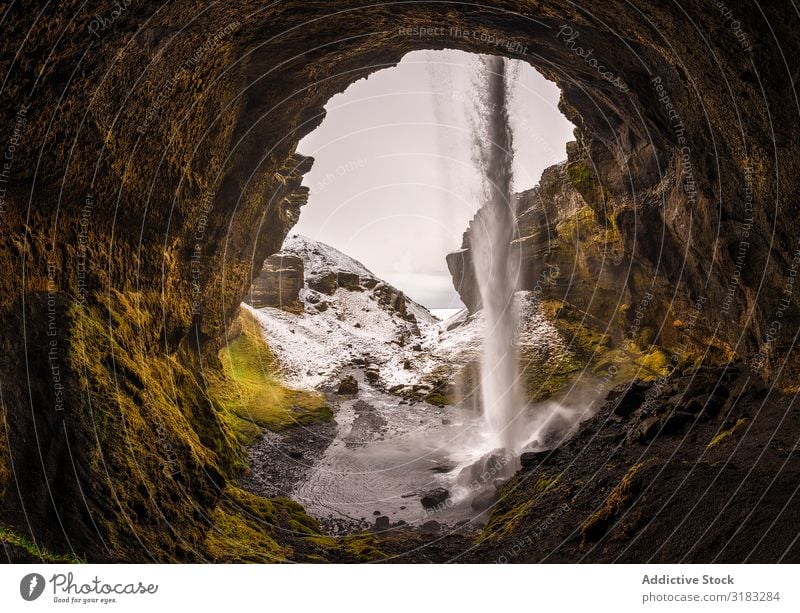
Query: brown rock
279	283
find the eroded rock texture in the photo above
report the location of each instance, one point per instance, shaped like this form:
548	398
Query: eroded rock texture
279	283
150	168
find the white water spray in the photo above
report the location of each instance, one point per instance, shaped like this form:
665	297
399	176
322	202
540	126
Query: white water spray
491	236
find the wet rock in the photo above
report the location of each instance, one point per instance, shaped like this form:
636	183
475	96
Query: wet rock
372	373
382	523
676	421
322	306
376	512
499	483
706	403
647	428
628	397
485	499
434	497
431	527
443	468
492	465
348	385
532	459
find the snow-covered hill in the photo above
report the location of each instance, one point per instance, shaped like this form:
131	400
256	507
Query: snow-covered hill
354	318
351	317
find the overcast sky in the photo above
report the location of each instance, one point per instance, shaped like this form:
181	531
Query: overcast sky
393	184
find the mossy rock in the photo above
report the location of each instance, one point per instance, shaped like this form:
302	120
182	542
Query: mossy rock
22	549
622	496
249	392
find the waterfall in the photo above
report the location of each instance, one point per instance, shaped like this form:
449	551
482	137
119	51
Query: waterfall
491	235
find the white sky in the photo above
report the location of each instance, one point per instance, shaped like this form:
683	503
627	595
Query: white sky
393	184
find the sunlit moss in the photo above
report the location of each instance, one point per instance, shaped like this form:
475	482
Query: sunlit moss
506	520
248	528
10	538
726	435
250	393
619	498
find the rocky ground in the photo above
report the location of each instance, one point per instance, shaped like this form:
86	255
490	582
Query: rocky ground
691	468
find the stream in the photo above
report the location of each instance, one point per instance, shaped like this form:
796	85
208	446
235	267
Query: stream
378	460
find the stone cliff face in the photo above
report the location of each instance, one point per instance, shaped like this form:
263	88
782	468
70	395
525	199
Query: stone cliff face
150	169
278	284
574	260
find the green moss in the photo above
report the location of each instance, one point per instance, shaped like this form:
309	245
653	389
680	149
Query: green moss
580	178
157	427
10	538
359	547
506	521
582	225
545	483
726	435
619	498
249	393
248	528
656	362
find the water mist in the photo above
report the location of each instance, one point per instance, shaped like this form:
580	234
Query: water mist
496	276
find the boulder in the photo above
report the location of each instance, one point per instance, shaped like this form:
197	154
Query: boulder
705	403
648	428
278	284
485	499
349	280
431	527
324	283
531	459
391	297
675	422
491	466
372	373
348	385
628	397
435	497
382	523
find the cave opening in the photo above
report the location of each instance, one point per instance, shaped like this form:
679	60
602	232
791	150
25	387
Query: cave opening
153	174
364	293
394	183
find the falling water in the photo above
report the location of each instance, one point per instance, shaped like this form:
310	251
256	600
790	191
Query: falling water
491	236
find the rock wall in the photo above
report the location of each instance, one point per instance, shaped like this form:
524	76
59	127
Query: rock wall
278	284
150	169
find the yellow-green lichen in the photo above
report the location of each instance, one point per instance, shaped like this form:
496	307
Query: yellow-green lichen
619	498
728	434
249	392
9	538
